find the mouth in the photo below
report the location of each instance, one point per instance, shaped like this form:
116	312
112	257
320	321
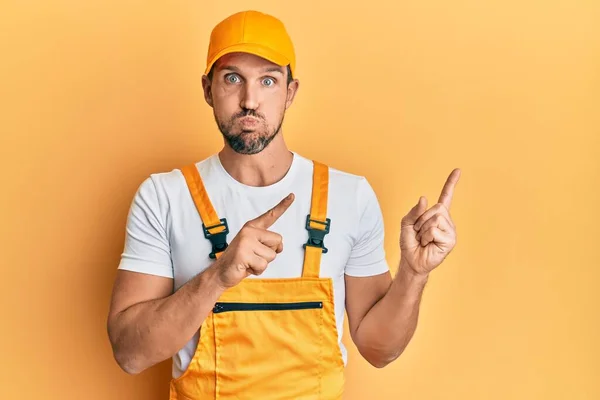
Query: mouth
248	120
248	123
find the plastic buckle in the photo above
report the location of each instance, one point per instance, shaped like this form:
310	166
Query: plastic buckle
218	240
316	236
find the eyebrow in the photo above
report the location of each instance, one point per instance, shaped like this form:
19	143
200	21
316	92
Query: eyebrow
231	68
273	69
267	69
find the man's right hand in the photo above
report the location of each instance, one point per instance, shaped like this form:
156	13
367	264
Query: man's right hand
253	248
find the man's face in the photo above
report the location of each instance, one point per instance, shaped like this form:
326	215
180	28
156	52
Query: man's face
249	96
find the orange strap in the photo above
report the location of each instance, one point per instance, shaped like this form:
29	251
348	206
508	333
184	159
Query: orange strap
212	224
317	220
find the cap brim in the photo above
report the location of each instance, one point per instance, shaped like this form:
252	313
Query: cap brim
251	48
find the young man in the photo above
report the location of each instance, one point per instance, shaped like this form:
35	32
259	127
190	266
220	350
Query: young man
240	266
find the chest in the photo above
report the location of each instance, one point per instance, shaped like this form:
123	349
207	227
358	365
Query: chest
190	249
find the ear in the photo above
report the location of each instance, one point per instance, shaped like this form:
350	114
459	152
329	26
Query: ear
207	87
292	89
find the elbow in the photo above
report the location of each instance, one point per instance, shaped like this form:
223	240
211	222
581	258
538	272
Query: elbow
125	359
380	355
379	364
131	370
381	360
127	362
133	360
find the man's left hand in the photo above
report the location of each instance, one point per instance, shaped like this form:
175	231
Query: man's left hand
428	236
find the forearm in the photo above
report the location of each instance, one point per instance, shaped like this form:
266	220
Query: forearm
389	325
150	332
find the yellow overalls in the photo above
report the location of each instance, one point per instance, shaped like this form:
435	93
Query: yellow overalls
267	338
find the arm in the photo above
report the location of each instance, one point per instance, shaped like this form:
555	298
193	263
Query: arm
147	324
383	314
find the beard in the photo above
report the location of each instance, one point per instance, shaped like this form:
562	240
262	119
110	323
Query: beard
248	141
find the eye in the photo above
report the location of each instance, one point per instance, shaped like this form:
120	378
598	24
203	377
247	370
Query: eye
232	78
268	81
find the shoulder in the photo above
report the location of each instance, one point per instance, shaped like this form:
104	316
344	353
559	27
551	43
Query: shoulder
341	180
172	182
346	185
357	188
358	185
350	193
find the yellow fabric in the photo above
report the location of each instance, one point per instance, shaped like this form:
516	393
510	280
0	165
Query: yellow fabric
318	212
270	354
201	199
252	32
318	207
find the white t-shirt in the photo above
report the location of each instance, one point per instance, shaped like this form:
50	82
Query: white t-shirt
164	231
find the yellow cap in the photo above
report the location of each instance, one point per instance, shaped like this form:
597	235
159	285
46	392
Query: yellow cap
255	33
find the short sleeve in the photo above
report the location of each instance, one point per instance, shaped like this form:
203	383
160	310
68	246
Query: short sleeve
146	247
367	256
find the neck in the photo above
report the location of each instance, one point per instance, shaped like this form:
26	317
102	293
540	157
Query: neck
262	169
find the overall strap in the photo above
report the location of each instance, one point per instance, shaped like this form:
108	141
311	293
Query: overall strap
215	229
317	222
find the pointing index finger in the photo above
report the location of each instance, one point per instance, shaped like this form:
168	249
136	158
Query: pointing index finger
267	219
448	190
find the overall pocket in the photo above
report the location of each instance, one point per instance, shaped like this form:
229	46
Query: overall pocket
226	306
268	350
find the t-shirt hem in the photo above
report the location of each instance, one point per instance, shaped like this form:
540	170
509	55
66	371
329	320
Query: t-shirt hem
147	268
369	270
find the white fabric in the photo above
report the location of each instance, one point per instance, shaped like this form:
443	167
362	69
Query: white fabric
164	231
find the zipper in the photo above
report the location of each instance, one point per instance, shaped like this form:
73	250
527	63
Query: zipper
223	307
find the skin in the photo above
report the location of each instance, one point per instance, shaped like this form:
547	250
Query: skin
149	323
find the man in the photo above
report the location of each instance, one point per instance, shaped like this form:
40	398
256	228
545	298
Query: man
240	266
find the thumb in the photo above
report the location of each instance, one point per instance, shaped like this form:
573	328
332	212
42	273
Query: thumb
415	212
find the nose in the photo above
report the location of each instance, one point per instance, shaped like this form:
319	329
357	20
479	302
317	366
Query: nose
249	97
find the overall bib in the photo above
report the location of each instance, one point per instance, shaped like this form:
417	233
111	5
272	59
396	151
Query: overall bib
267	338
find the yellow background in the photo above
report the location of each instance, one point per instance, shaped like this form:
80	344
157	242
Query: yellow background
96	95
